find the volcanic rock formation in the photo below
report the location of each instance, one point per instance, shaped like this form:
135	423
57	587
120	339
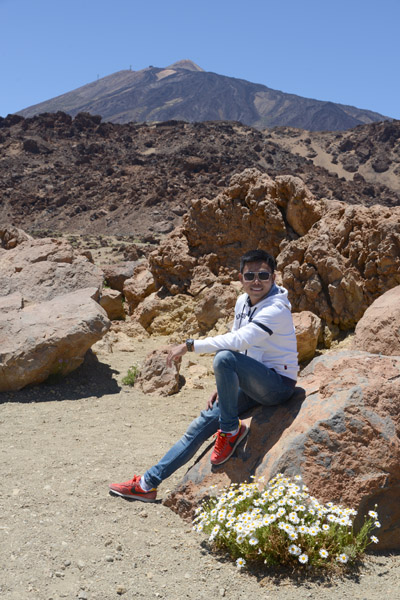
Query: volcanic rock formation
335	259
81	175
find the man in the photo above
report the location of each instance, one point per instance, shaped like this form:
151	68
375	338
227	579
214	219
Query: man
256	363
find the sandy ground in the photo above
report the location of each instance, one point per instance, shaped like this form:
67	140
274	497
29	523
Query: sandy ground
63	536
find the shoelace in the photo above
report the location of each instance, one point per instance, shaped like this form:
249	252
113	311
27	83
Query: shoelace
135	479
221	440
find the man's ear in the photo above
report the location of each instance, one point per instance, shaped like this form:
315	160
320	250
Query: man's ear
240	277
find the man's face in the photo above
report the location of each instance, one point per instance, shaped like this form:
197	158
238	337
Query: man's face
257	289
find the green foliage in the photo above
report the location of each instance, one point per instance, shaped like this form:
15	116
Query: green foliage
130	377
281	524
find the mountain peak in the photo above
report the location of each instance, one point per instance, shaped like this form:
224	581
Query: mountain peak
185	64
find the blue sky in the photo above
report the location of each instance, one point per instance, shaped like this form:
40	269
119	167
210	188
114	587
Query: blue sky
342	51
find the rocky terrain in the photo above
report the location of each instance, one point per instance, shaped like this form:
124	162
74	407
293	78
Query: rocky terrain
186	92
366	154
59	174
64	440
64	537
120	190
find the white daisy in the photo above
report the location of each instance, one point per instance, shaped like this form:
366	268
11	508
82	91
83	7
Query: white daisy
253	541
374	539
303	558
295	550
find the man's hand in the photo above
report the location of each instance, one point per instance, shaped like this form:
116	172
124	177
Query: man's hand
213	398
175	352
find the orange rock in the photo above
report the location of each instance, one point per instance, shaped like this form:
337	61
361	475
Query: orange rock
156	377
344	262
111	301
379	329
139	286
308	329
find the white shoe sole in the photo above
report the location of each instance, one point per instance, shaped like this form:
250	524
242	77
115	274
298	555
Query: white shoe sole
131	497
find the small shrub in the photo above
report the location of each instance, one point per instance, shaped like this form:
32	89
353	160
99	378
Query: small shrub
281	524
131	375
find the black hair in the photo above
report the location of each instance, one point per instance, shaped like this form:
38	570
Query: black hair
257	256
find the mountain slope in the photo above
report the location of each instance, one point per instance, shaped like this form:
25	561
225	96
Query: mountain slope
183	91
81	175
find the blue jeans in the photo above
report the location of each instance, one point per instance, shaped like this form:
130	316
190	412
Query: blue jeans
242	383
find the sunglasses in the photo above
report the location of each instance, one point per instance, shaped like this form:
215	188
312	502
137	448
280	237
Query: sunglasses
261	275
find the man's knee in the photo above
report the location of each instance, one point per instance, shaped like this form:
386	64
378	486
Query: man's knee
224	358
200	428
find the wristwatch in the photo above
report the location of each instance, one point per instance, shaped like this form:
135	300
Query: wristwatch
190	345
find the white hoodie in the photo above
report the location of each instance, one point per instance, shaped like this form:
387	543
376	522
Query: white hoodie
264	332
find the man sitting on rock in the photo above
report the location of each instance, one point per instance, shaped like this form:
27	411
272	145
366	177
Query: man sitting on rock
255	363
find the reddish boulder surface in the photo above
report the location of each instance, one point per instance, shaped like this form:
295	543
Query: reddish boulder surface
379	329
111	301
156	377
49	338
346	260
250	213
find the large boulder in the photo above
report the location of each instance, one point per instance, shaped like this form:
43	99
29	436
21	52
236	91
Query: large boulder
48	338
340	431
167	315
42	269
183	315
214	303
343	263
379	329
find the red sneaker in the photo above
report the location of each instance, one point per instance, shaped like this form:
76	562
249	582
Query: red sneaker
226	443
131	489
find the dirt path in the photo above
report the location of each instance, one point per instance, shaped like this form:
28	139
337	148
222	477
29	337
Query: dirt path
63	536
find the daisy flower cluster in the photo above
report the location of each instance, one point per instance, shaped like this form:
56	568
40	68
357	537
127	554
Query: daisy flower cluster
281	523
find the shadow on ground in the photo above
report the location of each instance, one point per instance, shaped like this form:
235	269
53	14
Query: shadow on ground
92	378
